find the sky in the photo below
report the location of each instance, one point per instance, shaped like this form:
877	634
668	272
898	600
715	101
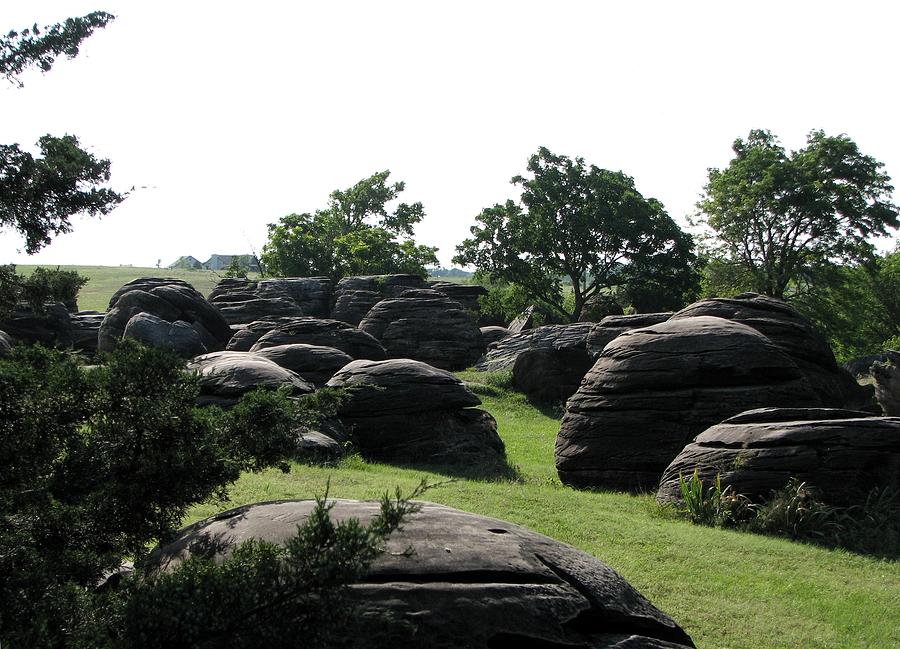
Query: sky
226	116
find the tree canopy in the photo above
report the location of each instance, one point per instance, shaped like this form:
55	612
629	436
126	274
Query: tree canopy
38	196
778	216
34	46
590	226
355	234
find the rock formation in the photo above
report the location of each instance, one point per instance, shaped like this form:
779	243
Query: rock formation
795	335
407	411
471	581
843	454
427	326
654	389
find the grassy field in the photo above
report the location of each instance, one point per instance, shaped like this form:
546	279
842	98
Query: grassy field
727	589
103	281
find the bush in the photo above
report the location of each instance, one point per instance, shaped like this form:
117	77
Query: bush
796	511
41	287
96	465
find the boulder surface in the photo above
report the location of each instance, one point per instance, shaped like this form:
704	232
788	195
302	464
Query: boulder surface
795	335
654	389
471	581
843	454
407	411
427	326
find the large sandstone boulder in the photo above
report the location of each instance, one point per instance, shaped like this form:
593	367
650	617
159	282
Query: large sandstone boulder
549	337
470	581
407	411
226	376
171	300
351	306
523	321
466	294
311	331
887	383
844	454
313	294
354	296
652	390
795	335
179	337
425	325
241	301
611	327
314	363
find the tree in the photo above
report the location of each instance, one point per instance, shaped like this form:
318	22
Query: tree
354	235
588	225
780	215
35	47
38	196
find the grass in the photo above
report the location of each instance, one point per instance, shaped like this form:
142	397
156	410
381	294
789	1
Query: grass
726	588
103	281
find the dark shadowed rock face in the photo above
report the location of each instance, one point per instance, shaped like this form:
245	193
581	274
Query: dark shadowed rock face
611	327
425	325
242	301
168	299
6	344
407	411
225	376
844	454
466	294
472	581
314	363
317	331
654	389
550	375
887	383
795	335
51	327
85	328
493	334
352	306
503	355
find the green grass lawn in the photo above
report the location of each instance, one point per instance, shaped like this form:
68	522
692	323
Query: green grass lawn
103	281
727	589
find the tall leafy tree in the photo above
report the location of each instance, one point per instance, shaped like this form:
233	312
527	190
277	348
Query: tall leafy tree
588	225
39	196
355	234
779	215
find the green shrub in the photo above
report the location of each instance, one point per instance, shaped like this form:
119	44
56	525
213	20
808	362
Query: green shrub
796	511
712	505
96	465
43	286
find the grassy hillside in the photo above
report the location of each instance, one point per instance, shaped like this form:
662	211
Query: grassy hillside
727	589
105	280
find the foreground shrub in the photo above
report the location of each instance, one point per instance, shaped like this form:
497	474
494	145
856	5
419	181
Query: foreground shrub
797	511
43	286
97	464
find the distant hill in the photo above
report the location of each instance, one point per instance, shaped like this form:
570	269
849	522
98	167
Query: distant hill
456	273
217	262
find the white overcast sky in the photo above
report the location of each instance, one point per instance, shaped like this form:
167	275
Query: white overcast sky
233	114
